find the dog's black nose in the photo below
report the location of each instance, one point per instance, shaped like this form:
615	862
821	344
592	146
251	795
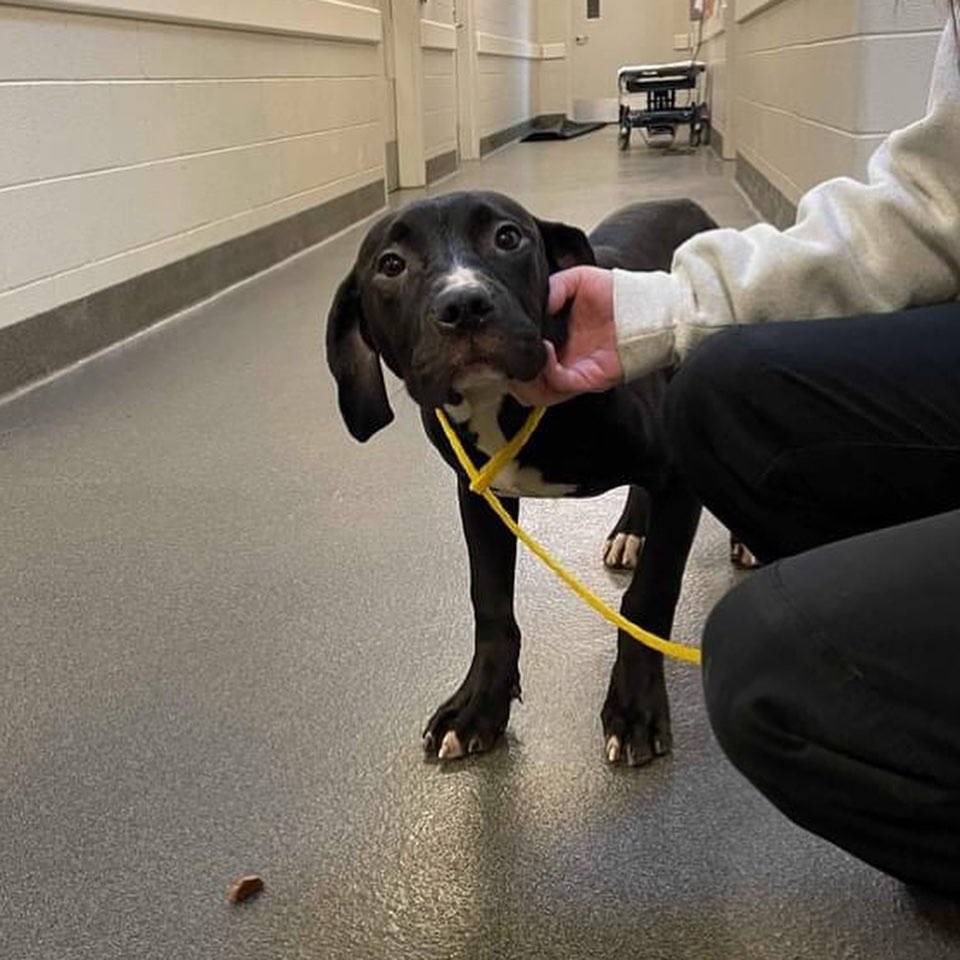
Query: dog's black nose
462	309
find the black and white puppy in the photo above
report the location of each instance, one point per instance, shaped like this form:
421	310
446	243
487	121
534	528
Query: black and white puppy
451	294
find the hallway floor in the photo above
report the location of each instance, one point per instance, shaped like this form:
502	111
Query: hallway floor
224	624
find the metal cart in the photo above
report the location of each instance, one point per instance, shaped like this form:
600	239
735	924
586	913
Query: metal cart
662	115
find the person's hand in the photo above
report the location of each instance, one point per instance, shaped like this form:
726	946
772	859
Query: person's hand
588	361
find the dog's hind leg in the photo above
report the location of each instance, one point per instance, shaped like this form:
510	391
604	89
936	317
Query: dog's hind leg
476	715
636	713
624	543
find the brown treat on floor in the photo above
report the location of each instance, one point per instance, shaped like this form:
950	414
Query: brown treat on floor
245	888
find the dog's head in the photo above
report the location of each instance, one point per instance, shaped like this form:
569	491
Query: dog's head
447	292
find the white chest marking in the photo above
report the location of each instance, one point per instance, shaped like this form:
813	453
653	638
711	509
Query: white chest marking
478	412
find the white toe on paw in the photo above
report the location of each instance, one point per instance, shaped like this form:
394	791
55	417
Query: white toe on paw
450	748
631	551
622	551
608	552
613	750
613	550
741	557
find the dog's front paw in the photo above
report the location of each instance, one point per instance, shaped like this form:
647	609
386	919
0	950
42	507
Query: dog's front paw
475	717
624	543
636	713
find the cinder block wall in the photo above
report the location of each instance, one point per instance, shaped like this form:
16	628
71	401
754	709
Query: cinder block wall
146	164
130	144
133	147
819	83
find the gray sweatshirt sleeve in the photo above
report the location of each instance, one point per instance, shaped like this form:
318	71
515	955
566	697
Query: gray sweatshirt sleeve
856	248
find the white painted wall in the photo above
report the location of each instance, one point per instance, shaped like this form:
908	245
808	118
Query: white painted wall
555	78
507	85
507	18
439	102
820	82
440	11
627	32
128	144
716	50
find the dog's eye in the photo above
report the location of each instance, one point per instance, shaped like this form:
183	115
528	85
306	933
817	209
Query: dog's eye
508	237
391	265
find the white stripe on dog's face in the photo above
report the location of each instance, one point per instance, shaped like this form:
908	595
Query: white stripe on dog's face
461	278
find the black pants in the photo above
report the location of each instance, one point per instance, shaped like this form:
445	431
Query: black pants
832	675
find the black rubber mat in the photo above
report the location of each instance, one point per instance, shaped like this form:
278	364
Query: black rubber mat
561	130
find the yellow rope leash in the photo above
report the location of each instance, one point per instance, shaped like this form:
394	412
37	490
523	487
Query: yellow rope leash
480	481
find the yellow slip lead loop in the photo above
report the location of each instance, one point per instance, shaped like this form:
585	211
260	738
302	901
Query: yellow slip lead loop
676	650
491	469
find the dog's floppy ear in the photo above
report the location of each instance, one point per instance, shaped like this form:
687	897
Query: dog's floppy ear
355	365
566	246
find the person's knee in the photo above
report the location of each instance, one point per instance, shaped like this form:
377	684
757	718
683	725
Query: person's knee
728	633
748	645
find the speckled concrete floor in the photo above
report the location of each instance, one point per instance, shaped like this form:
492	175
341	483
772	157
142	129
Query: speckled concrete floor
223	625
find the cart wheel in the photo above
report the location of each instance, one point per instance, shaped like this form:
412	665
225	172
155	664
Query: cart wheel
624	138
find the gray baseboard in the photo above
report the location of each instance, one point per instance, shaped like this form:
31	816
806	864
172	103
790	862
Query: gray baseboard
716	141
768	200
496	140
442	165
40	345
